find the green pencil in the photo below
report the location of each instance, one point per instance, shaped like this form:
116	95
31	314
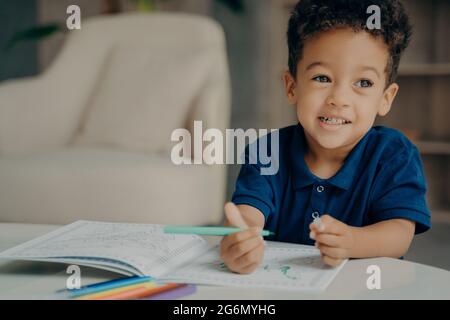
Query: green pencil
208	231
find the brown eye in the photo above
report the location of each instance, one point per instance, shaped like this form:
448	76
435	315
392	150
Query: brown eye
321	79
364	83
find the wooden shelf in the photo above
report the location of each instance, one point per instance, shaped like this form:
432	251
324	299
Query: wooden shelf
425	69
433	147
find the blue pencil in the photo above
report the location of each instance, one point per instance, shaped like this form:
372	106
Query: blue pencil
106	285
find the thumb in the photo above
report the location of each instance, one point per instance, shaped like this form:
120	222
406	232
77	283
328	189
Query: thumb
234	216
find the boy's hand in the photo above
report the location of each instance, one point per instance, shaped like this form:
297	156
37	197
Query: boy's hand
333	238
242	251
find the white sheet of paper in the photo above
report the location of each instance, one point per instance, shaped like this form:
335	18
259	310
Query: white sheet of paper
285	266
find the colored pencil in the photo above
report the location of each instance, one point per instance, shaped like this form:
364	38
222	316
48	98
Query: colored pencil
140	292
208	231
99	295
107	285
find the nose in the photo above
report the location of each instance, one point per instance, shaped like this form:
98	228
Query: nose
338	97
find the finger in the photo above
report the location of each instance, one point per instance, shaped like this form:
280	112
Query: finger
234	216
329	225
316	225
331	261
241	248
250	257
330	240
250	268
333	252
314	232
238	267
239	237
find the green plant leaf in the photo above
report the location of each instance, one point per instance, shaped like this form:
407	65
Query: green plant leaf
33	34
149	5
43	31
145	5
235	5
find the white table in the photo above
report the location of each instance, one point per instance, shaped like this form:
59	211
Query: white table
399	279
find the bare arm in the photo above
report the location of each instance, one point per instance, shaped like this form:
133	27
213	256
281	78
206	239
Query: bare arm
390	238
337	240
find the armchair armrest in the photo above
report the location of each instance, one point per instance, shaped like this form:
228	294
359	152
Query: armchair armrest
44	112
29	116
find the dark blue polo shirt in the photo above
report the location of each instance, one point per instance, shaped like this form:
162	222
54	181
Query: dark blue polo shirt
382	178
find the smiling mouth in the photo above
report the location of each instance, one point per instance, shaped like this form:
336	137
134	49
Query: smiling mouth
333	121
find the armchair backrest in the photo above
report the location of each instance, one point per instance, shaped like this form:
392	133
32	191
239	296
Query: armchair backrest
158	71
126	80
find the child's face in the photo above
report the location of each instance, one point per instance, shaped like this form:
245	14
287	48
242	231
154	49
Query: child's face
340	87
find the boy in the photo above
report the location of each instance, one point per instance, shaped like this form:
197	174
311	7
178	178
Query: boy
366	183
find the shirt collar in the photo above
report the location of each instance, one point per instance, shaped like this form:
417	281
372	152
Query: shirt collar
304	177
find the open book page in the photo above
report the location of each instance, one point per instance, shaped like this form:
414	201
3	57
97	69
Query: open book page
285	266
129	248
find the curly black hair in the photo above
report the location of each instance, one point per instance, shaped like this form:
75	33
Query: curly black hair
310	17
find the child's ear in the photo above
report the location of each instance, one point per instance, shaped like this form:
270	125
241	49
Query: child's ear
289	87
388	97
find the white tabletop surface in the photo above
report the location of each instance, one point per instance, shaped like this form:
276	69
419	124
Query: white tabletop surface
399	279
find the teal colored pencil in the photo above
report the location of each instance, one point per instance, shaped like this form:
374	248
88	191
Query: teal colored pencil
208	231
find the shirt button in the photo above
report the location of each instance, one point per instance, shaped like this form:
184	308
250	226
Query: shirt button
320	188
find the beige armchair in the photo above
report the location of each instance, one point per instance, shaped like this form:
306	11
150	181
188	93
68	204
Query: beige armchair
90	137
